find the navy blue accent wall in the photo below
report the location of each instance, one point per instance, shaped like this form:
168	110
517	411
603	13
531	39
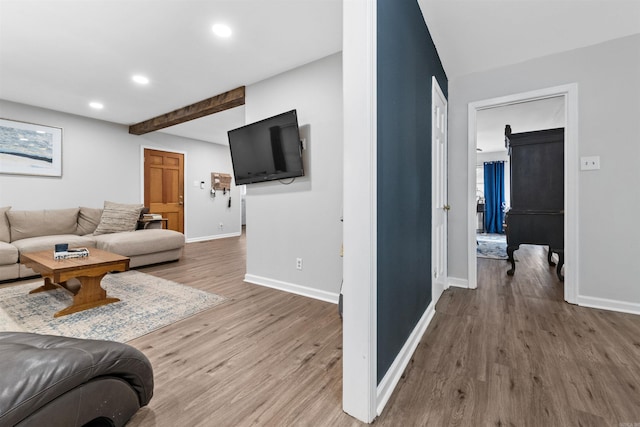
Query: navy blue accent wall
407	59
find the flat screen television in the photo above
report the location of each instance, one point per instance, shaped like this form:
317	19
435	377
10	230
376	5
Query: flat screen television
267	150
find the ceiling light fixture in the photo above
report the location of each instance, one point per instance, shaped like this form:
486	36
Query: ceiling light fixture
96	105
140	79
221	30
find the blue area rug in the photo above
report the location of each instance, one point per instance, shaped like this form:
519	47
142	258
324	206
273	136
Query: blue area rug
146	304
493	246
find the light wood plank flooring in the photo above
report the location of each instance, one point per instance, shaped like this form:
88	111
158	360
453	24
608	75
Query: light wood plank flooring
509	353
264	357
512	353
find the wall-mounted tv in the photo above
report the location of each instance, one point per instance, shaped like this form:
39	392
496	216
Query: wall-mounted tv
267	150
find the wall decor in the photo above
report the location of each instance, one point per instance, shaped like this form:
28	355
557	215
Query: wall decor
30	149
220	181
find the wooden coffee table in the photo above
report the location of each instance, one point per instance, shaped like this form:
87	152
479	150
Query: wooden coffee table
88	271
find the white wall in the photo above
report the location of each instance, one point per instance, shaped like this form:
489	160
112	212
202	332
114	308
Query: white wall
102	161
300	220
608	78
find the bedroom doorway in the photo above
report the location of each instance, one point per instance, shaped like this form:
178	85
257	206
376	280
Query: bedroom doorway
568	96
493	167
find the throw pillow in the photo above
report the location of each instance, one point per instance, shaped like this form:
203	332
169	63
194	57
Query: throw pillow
5	230
118	217
88	220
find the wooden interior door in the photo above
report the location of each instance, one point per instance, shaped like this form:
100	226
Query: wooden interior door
164	186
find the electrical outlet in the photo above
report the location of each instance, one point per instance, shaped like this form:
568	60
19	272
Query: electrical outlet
590	163
299	263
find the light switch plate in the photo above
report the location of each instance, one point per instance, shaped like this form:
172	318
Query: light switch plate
590	163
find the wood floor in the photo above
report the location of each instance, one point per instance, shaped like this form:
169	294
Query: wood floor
510	353
263	358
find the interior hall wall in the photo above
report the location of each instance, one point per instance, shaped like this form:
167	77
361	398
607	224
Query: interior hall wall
301	219
102	161
407	60
608	79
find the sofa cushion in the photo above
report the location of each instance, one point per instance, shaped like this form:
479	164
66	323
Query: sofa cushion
118	217
5	230
34	244
140	242
88	220
25	224
8	254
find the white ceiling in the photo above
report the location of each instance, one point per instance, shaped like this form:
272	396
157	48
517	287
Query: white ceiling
62	54
478	35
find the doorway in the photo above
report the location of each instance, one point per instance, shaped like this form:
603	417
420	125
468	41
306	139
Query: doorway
164	186
569	95
493	168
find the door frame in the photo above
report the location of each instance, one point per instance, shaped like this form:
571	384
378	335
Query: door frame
435	291
571	170
184	181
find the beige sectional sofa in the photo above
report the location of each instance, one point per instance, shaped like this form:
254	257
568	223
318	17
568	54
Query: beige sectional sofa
28	231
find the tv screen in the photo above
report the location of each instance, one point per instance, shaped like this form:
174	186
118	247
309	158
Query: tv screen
267	150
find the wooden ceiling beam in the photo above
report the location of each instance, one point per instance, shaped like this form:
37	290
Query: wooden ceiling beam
215	104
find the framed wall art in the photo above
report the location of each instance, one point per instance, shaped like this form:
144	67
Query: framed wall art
30	149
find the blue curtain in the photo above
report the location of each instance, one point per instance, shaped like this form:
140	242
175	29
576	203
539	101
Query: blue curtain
494	196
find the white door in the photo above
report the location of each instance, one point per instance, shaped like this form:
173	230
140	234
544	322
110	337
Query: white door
439	204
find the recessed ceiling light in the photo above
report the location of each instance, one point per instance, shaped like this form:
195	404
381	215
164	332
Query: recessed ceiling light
221	30
140	79
96	105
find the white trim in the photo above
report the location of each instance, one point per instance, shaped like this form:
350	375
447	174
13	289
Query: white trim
609	304
292	288
458	283
570	94
184	180
359	339
394	374
571	190
472	220
213	237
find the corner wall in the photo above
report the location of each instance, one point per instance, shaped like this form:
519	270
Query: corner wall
102	161
301	219
608	78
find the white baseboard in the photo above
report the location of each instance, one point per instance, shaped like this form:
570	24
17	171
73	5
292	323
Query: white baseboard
293	288
458	283
393	375
214	237
609	304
